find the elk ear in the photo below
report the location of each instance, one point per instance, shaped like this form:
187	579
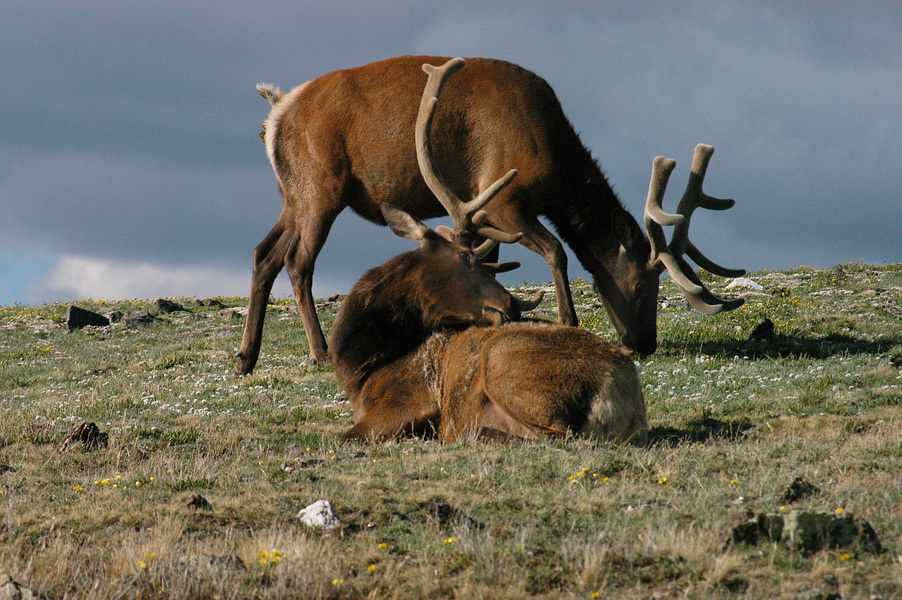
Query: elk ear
625	229
403	224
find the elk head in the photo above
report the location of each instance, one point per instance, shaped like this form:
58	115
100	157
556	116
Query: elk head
633	303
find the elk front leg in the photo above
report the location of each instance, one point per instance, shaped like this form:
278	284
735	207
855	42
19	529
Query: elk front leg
269	258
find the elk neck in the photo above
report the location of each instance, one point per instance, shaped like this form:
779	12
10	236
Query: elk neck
583	216
378	322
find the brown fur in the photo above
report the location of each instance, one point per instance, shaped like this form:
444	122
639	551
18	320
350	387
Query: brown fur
405	351
346	139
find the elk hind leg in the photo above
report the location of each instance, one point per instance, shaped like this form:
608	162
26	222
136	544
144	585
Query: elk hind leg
300	261
617	410
269	258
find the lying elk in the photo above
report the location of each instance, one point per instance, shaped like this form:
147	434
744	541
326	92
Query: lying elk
343	139
410	365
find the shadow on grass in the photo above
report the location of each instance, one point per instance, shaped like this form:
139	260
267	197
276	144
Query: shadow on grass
783	346
700	430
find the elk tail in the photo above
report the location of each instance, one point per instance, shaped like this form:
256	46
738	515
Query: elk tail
270	92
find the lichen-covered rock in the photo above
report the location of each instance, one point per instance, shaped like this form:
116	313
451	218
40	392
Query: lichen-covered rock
808	531
812	531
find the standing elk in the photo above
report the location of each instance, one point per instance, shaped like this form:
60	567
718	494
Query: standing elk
343	139
404	349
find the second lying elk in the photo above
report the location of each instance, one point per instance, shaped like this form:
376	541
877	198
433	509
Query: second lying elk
343	140
405	351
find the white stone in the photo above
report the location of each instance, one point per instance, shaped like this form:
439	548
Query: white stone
319	514
744	282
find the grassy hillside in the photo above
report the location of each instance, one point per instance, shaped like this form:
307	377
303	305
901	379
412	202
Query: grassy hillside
196	492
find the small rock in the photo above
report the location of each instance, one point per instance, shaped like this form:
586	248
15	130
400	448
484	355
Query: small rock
764	331
799	489
211	302
868	293
746	283
319	515
79	317
198	502
86	434
167	306
757	527
12	590
139	318
230	313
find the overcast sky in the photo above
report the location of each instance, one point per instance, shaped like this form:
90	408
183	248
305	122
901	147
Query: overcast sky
131	167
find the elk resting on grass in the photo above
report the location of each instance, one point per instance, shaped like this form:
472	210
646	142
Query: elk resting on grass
404	353
409	350
343	140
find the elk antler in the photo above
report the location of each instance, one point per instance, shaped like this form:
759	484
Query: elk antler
468	217
671	257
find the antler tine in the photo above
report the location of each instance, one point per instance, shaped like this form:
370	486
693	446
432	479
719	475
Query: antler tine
468	217
671	256
655	217
694	198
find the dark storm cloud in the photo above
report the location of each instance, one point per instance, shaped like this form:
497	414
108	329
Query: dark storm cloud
130	129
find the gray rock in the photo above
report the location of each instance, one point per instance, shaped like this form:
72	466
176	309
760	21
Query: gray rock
744	282
167	306
139	318
11	590
319	515
77	318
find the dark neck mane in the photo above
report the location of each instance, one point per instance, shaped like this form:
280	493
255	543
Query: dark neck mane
582	216
377	324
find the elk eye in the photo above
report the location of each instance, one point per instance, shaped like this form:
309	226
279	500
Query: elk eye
465	257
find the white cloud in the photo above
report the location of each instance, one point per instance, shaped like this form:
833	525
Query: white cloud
79	277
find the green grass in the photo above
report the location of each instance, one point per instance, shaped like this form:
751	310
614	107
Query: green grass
733	422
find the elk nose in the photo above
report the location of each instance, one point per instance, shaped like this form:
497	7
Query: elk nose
644	347
494	316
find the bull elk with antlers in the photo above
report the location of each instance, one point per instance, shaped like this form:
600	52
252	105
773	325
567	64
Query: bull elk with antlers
343	140
408	347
